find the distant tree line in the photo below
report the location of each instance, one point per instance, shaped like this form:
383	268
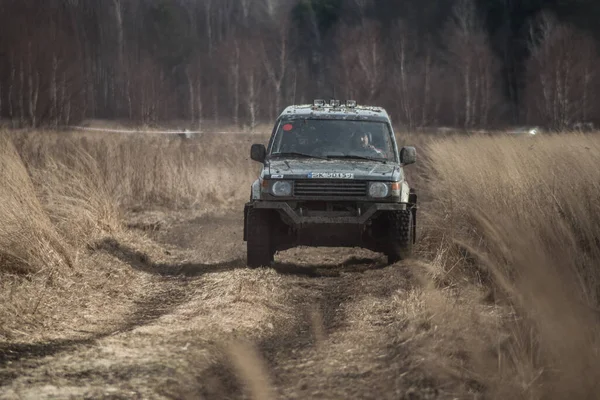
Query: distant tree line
463	63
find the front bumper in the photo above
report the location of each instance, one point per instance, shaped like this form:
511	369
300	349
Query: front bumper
298	219
297	227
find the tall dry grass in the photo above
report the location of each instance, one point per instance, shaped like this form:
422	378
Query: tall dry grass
210	172
29	242
62	192
61	187
521	217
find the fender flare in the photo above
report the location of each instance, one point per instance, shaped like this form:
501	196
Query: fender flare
405	192
255	192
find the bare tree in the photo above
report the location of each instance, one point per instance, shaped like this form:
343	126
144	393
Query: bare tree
191	93
142	60
361	65
427	78
148	91
561	74
65	100
412	74
275	53
473	63
234	68
271	6
362	5
194	75
54	91
245	4
11	84
22	92
120	34
317	48
253	77
403	76
276	10
208	10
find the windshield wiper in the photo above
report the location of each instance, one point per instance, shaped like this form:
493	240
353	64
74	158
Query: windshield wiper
353	156
296	154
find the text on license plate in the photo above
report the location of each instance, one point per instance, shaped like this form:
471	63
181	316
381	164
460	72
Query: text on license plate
330	175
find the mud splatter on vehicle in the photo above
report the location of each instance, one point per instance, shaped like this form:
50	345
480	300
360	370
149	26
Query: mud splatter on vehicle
332	176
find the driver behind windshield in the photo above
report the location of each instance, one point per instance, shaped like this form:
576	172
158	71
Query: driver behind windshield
332	138
361	143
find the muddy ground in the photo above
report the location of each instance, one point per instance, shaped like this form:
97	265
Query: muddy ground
321	323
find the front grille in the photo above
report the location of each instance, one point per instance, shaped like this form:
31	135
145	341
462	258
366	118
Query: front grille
330	188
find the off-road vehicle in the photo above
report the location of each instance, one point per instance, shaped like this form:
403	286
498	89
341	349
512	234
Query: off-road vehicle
332	176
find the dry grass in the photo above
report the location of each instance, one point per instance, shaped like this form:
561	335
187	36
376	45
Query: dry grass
63	192
78	199
251	369
511	240
28	241
209	172
51	210
521	219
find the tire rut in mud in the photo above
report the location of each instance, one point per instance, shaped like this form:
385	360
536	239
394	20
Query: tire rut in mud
17	357
306	366
321	289
306	353
297	353
168	286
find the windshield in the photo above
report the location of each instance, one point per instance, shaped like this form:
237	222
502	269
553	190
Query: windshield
325	138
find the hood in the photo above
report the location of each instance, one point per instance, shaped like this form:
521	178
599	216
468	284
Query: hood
333	169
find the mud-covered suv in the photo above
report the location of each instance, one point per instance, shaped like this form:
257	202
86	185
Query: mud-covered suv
332	176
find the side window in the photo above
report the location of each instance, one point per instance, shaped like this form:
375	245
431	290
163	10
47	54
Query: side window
286	136
276	138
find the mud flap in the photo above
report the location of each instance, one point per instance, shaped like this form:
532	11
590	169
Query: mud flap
247	207
412	200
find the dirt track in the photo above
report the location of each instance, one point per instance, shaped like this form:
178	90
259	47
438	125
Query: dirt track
328	323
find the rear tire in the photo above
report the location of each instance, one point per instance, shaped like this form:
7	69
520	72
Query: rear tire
259	244
401	230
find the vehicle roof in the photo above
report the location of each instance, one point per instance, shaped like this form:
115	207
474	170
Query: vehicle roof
367	113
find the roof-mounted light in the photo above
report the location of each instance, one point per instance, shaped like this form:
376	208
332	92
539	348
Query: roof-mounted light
334	103
319	103
351	103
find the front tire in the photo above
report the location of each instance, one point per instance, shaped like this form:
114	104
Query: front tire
401	230
259	242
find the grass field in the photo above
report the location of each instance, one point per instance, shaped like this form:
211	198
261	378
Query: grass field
508	258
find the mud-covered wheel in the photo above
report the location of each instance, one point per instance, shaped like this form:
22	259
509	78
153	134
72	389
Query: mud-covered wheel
259	244
400	236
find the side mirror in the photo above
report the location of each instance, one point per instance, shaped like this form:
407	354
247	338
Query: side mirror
258	152
408	155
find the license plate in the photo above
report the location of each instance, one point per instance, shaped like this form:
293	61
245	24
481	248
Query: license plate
330	175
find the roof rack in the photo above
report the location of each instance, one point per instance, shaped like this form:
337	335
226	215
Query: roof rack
319	103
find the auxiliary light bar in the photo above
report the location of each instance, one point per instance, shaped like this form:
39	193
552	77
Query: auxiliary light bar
334	103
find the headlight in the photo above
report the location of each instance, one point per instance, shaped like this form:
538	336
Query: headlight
378	190
281	188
